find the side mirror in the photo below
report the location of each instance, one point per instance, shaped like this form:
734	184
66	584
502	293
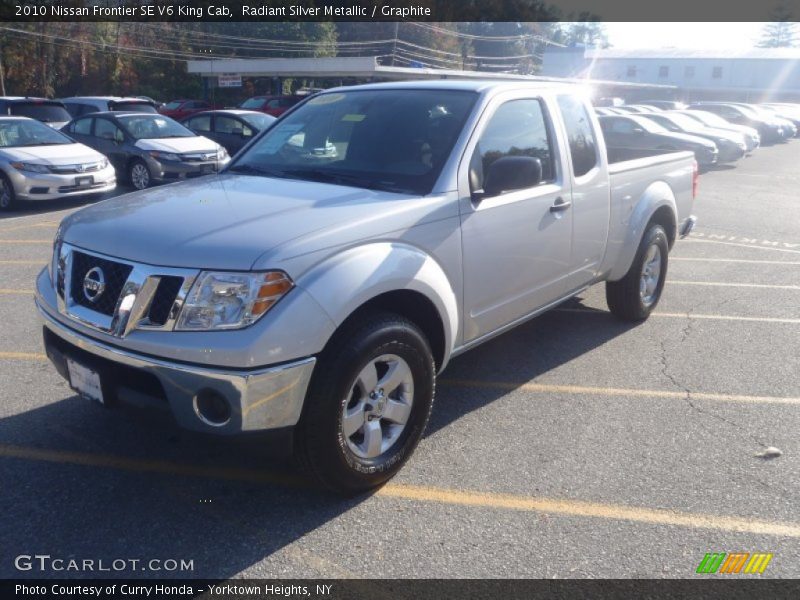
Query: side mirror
511	173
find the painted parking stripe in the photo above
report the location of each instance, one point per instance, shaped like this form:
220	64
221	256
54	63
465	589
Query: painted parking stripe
23	356
431	495
729	284
8	292
544	388
693	241
46	225
23	262
735	260
670	315
11	242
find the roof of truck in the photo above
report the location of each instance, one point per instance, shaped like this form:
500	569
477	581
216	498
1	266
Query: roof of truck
461	84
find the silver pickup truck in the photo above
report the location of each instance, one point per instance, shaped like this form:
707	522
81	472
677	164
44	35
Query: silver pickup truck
330	272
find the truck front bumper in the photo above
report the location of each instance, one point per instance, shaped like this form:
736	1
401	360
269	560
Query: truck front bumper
220	401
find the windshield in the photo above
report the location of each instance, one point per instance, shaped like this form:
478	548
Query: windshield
252	103
684	122
709	118
172	105
393	140
259	121
649	125
15	133
47	113
152	127
142	107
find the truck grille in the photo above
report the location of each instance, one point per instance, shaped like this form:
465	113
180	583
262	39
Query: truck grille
164	298
114	273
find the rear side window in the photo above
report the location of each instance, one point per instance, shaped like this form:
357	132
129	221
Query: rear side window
517	128
202	123
82	127
227	125
582	143
47	113
141	107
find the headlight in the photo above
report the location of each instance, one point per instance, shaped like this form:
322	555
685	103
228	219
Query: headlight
30	167
104	163
222	154
165	156
225	300
54	262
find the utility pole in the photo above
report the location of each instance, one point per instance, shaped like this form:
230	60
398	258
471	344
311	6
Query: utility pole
2	73
394	44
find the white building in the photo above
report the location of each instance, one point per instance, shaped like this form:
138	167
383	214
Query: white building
752	75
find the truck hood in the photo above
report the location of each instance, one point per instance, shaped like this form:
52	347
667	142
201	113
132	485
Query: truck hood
229	221
62	154
179	145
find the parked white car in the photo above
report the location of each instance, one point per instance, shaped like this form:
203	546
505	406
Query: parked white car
40	163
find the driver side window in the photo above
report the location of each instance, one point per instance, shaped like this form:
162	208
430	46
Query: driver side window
517	128
105	129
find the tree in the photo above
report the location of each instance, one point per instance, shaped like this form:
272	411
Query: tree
584	33
780	33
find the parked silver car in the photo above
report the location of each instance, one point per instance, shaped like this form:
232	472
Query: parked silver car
40	163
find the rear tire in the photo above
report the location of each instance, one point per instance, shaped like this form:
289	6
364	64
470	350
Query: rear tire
8	198
368	403
634	297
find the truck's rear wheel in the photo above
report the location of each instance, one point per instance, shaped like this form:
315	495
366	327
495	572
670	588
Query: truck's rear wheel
635	296
368	403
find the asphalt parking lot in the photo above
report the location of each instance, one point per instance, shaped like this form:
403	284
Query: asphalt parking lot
573	446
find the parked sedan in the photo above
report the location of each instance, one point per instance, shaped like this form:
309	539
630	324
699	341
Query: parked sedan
639	132
39	163
770	130
784	112
148	148
751	135
232	128
77	106
271	105
180	109
731	145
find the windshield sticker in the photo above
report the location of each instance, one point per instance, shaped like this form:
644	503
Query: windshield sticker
354	118
326	99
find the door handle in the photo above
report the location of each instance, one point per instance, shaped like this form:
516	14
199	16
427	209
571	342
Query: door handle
560	205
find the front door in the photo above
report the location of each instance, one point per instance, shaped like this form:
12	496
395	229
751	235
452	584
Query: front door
516	246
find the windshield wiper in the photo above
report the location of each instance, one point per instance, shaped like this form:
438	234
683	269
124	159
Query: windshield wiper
344	179
246	169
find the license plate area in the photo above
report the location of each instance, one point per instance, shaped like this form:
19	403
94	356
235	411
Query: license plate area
85	381
84	181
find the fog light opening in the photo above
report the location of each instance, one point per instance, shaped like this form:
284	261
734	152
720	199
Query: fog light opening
212	408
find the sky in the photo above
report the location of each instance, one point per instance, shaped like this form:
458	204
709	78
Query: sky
734	36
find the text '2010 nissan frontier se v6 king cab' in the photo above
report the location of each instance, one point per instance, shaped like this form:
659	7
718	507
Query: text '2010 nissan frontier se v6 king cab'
323	279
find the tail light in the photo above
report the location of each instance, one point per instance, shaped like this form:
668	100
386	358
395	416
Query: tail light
695	179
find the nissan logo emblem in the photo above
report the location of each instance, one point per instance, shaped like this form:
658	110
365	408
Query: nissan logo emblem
94	284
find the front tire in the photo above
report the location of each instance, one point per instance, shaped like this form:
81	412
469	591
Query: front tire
8	198
634	297
368	403
139	175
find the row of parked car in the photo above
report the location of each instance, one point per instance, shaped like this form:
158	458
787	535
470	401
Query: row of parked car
76	146
717	132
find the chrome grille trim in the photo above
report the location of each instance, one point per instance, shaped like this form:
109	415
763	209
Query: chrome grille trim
133	303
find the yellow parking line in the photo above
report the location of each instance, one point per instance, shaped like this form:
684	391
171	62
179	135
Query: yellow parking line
47	225
23	355
544	388
11	242
23	262
490	500
4	291
728	284
670	315
735	260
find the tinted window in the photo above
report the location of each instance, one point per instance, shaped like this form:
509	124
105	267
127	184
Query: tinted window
273	103
48	113
394	140
141	107
517	128
105	129
201	123
618	125
227	125
582	143
82	127
253	103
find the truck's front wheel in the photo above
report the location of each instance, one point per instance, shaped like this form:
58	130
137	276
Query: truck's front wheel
368	403
635	296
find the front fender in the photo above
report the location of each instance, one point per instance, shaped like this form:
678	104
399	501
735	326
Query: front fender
348	280
656	195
